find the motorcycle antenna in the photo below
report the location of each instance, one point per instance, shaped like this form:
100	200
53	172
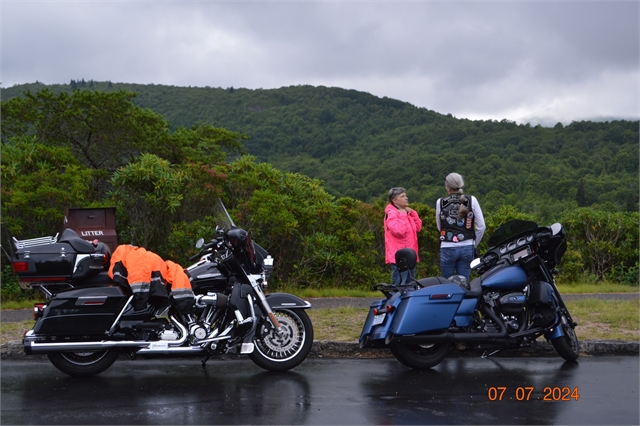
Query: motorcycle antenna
10	257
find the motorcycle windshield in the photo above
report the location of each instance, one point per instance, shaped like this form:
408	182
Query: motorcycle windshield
220	214
511	229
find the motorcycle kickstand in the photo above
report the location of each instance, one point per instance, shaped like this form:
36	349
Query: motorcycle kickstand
204	361
485	355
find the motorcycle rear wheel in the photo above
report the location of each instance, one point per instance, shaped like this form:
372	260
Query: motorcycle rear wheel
84	364
567	346
420	357
284	351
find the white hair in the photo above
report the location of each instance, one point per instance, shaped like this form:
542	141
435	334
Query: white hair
454	182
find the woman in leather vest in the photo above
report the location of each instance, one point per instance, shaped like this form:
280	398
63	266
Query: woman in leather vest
461	225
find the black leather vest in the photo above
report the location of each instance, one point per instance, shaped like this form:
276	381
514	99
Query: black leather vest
456	219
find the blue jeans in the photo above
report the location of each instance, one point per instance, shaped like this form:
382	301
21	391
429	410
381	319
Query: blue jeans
456	259
401	278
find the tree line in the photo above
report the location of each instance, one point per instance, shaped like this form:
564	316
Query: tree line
359	145
92	148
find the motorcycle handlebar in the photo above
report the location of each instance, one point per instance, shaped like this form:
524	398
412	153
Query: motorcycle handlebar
203	250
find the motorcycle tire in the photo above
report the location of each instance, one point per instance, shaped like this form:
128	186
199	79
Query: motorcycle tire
84	364
567	346
420	357
284	351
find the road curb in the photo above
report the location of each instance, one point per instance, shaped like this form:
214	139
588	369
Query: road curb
333	349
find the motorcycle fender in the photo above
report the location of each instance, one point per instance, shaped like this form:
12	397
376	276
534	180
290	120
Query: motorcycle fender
366	337
286	301
374	335
554	333
428	309
282	301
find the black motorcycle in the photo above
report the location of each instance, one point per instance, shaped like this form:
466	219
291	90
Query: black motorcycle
89	319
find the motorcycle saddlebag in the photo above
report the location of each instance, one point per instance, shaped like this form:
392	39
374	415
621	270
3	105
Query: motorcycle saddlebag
86	311
428	309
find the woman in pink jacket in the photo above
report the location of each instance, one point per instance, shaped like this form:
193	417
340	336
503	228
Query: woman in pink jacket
401	227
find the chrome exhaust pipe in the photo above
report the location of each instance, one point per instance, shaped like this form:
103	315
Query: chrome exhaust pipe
31	346
146	348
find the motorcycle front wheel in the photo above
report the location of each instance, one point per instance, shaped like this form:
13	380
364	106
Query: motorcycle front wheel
84	364
420	357
567	346
287	349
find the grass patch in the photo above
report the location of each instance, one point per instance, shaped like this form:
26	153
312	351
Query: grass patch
340	324
14	330
580	288
606	319
21	304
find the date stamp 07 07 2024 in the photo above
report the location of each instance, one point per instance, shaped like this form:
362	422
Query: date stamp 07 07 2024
527	393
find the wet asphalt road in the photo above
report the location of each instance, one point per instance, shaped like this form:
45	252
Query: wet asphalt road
602	390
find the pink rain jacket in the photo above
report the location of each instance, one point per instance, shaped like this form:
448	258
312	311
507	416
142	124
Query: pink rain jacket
400	231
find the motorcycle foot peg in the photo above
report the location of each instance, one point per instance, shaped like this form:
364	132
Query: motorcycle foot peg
247	348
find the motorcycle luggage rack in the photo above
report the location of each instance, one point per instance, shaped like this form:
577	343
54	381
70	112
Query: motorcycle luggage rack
20	244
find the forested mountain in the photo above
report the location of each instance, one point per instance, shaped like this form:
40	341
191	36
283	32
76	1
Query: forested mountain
360	145
65	148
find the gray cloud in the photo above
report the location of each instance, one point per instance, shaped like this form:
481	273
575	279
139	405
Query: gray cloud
536	61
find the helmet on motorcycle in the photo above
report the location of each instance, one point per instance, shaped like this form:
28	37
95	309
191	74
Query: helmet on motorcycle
461	280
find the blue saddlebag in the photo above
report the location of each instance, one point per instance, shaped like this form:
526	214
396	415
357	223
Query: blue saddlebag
428	309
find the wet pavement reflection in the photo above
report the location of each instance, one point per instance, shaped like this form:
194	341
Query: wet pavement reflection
595	390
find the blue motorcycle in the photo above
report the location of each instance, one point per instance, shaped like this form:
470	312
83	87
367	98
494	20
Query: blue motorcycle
513	302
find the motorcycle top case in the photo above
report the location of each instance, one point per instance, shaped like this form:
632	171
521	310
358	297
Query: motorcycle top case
48	261
59	262
82	311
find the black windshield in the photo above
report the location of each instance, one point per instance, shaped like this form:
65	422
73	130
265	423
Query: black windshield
510	230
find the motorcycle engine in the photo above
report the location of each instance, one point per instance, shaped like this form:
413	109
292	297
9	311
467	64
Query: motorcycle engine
512	303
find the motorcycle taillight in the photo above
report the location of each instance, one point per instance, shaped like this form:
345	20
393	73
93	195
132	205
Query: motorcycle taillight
38	310
20	266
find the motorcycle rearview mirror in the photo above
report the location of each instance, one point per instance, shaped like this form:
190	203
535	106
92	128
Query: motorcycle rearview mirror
556	228
200	243
475	263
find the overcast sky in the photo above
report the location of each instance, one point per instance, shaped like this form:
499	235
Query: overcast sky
538	62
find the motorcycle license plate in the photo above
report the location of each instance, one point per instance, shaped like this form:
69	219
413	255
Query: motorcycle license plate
378	319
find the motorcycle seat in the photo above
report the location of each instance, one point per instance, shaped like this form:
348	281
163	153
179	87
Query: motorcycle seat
81	246
428	282
475	290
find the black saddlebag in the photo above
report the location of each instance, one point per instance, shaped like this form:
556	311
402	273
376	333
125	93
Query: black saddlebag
86	311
